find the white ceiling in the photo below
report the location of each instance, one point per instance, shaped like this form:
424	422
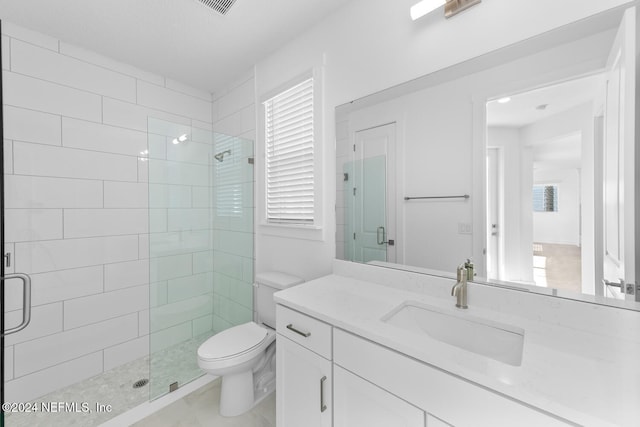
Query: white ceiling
563	151
521	110
181	39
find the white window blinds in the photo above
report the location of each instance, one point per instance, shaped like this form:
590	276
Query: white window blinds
545	198
289	155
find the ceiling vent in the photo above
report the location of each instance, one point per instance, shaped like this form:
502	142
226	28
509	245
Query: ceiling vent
220	6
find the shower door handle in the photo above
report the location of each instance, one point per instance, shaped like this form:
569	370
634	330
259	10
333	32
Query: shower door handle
381	236
26	301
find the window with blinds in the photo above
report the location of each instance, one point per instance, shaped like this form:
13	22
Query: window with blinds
289	155
545	198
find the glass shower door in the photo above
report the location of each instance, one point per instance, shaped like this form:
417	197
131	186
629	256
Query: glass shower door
200	245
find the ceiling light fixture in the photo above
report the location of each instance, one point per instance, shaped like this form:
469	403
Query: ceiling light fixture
451	7
424	7
504	100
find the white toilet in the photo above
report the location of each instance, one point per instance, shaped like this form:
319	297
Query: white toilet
244	355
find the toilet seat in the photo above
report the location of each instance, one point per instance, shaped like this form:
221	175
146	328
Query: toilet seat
234	342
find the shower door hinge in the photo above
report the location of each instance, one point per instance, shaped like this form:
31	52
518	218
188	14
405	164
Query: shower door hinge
354	236
354	148
7	257
173	387
354	191
250	160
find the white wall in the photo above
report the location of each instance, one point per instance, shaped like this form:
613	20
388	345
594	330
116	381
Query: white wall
369	45
76	203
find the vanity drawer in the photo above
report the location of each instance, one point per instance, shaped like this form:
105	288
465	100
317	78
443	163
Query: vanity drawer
306	331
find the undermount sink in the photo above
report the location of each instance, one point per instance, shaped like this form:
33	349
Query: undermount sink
495	340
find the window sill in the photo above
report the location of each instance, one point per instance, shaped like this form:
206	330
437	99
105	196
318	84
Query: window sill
293	231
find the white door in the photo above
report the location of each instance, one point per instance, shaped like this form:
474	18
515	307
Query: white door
619	158
358	403
374	194
303	385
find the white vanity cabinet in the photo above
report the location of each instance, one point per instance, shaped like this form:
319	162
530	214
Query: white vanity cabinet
445	397
304	372
329	377
357	402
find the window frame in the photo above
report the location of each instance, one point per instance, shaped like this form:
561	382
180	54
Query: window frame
315	231
300	218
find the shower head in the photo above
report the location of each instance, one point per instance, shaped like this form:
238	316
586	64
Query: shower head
220	156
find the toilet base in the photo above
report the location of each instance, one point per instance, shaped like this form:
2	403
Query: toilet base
236	394
236	390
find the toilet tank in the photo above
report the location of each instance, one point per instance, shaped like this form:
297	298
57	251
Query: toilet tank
266	285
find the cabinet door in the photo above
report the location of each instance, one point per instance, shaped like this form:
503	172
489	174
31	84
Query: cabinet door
358	403
303	387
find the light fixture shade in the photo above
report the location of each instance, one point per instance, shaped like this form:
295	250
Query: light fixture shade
418	10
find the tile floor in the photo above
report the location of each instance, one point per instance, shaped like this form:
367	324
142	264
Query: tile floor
115	388
200	409
557	266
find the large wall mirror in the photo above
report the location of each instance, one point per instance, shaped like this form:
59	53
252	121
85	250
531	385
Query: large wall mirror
521	160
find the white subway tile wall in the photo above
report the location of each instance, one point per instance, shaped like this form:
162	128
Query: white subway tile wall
123	353
233	257
22	388
75	125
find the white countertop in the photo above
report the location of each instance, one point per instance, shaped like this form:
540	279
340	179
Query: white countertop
588	378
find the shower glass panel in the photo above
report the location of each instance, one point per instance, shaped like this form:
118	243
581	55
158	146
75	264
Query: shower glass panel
200	244
365	210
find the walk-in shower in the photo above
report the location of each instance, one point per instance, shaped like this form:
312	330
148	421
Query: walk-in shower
200	245
135	257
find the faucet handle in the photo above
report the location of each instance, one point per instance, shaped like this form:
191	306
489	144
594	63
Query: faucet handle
462	273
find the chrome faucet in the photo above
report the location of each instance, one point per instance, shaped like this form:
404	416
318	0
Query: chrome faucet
459	290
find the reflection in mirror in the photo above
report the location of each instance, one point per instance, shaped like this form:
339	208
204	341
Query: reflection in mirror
535	133
368	194
540	151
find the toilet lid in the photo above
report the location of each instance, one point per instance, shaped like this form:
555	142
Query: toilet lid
232	341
